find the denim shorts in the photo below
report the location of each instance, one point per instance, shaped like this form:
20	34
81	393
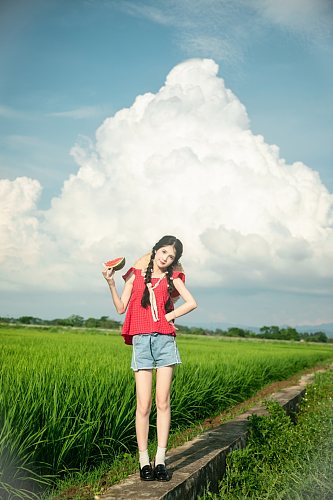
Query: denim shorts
154	350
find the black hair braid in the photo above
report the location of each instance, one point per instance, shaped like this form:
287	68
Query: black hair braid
145	301
169	303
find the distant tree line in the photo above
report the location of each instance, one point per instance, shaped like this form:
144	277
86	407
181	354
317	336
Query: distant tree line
74	321
288	333
266	332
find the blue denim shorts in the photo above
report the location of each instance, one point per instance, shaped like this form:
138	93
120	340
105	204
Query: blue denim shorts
154	350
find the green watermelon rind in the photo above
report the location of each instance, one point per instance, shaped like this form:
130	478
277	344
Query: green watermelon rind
116	264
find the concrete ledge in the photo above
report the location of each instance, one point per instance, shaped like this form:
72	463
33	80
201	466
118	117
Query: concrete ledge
203	460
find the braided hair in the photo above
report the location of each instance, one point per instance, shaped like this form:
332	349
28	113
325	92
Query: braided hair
163	242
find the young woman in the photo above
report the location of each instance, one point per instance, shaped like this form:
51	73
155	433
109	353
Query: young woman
151	287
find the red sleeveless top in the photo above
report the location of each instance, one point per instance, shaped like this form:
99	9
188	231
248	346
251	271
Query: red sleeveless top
139	319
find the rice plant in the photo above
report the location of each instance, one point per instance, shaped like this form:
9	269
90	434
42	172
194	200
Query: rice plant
67	399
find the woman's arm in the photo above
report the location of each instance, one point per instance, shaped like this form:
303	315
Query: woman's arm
189	302
120	303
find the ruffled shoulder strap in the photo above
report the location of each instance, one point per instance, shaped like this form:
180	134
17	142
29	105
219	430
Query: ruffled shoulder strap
131	270
181	275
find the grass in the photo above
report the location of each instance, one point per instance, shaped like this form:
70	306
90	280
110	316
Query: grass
286	457
67	399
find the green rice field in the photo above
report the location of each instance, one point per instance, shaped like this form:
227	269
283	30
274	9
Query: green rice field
67	397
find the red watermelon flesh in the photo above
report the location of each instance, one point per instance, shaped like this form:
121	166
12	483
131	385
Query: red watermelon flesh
116	264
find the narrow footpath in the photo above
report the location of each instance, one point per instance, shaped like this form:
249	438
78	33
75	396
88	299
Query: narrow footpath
202	460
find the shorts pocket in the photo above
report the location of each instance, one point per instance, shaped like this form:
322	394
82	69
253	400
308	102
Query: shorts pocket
136	339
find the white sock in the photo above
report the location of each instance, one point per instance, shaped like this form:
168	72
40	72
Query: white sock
143	458
160	456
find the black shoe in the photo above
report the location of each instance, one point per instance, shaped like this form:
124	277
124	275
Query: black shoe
161	473
147	473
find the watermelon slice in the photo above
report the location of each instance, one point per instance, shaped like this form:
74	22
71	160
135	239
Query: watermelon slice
116	264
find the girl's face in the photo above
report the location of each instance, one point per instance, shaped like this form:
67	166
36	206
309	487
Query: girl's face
165	256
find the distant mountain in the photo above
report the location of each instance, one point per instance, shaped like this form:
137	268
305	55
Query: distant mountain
323	327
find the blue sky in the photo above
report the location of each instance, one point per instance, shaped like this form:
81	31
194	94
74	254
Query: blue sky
67	66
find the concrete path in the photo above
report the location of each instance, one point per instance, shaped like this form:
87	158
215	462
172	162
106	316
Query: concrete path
202	461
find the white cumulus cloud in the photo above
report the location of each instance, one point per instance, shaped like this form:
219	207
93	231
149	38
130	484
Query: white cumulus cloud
182	161
19	235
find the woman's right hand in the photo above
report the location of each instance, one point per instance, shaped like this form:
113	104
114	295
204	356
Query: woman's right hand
108	273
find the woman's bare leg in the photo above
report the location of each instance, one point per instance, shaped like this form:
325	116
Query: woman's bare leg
143	381
163	387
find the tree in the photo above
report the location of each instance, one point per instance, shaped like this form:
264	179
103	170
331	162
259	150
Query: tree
289	334
317	337
75	320
236	332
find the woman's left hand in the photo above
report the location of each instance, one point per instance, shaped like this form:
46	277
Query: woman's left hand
170	317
